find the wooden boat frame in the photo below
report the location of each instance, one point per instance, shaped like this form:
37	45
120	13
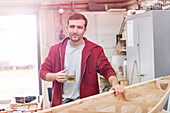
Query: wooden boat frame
145	97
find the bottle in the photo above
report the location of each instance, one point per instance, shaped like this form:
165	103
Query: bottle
120	70
125	68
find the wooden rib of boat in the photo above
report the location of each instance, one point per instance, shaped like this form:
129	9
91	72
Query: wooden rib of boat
145	97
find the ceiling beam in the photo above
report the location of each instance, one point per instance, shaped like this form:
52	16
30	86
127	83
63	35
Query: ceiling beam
68	4
83	1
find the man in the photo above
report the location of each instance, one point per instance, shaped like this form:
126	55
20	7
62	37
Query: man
81	55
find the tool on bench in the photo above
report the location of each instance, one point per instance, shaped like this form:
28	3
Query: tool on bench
25	99
22	101
15	105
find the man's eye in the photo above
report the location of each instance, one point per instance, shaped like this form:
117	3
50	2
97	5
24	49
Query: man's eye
80	27
72	26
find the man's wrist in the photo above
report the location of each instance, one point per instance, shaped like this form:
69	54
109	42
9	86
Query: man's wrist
50	77
113	80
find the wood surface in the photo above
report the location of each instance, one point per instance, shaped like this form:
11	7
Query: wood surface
146	97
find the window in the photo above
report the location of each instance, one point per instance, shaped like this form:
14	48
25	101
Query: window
18	56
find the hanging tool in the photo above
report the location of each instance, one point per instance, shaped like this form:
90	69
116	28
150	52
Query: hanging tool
61	35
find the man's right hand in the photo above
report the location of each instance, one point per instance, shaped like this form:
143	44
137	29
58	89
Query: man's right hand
59	76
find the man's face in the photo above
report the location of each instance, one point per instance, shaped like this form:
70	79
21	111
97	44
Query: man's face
76	29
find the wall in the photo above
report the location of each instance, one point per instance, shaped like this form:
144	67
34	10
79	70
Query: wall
102	29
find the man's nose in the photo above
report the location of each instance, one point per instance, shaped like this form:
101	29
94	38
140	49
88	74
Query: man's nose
75	30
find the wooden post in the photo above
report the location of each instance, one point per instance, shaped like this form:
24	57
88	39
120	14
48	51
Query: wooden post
130	83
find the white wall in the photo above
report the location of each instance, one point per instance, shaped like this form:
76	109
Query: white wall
102	29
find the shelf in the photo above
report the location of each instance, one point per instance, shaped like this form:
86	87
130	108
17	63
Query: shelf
123	39
123	46
123	50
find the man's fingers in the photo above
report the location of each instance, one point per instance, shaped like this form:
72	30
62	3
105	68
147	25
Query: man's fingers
61	77
63	71
122	89
118	89
61	80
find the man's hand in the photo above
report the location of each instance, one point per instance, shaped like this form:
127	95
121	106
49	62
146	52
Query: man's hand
118	89
59	76
115	85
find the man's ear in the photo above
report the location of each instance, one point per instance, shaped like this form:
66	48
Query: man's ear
85	30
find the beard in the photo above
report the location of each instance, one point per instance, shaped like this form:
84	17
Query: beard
75	37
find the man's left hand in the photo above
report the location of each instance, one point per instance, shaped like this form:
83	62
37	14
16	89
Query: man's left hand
118	89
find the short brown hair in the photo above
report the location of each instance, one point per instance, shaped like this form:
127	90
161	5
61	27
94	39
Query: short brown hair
77	16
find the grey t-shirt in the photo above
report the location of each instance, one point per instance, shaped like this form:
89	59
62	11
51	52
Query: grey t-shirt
73	55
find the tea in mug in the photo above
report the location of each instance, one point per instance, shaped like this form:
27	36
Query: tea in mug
71	77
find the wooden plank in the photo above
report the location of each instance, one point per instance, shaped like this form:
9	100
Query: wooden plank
162	102
146	97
